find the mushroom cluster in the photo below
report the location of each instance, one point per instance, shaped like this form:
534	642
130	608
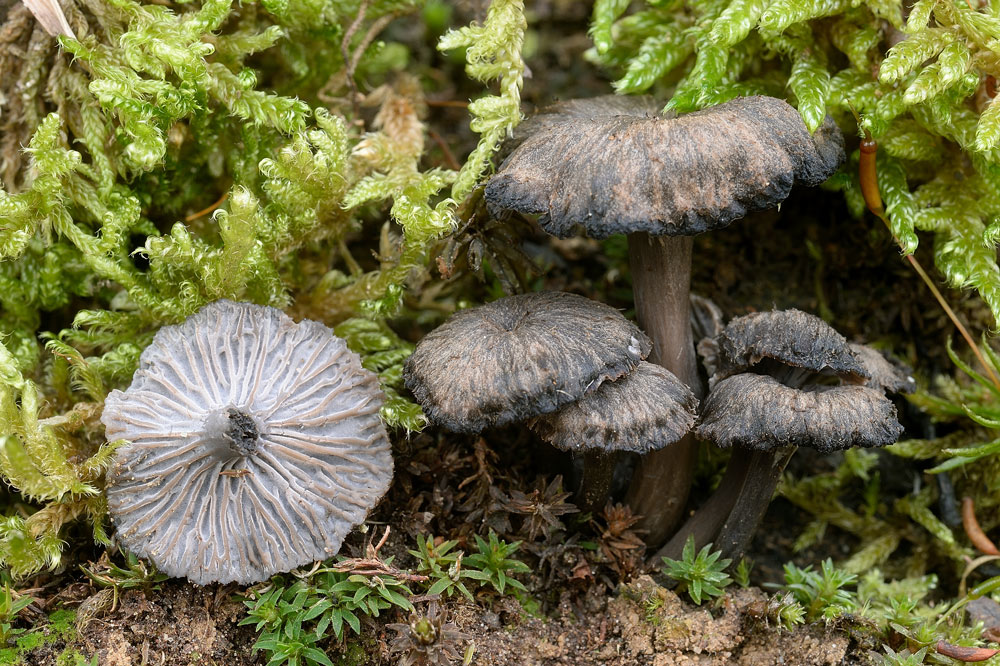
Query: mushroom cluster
254	446
571	367
611	165
782	380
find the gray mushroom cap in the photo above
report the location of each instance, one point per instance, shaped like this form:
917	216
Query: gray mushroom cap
518	357
585	109
758	412
620	169
884	374
255	446
791	338
643	411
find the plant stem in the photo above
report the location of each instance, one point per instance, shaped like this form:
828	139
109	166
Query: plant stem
598	475
661	281
704	525
868	178
763	473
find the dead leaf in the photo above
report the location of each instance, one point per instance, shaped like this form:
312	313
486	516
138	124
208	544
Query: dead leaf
50	15
965	654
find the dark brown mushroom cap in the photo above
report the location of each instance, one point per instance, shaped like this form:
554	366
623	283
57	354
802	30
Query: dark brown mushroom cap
643	411
789	338
518	357
758	412
885	374
255	446
665	176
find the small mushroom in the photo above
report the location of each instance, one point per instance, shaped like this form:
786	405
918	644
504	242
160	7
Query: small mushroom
519	357
254	446
790	344
758	412
785	379
609	165
641	412
883	373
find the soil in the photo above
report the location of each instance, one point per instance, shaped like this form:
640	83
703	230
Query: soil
644	624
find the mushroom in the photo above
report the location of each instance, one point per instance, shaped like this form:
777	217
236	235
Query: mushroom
519	357
254	446
884	374
529	355
608	166
641	412
785	379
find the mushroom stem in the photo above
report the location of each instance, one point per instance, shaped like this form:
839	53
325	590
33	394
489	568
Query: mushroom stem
598	475
763	473
661	281
706	522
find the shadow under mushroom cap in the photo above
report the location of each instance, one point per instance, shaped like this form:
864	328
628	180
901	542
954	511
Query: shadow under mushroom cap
758	412
519	357
643	411
255	446
666	176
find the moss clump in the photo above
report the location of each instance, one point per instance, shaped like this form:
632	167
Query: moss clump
133	130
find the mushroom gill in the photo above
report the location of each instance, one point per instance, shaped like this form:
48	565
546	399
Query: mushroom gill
254	446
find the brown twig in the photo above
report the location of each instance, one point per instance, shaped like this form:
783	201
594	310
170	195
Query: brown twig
366	567
345	52
448	103
205	211
972	529
868	177
449	157
372	564
377	26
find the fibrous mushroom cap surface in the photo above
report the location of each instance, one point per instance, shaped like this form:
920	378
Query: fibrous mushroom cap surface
786	337
643	411
885	374
623	169
758	412
255	446
518	357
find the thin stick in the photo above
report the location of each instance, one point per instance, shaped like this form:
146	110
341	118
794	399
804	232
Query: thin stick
194	216
868	175
972	529
345	52
449	157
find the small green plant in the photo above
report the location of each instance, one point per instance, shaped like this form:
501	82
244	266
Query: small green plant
701	575
650	606
741	574
326	599
442	565
904	658
137	572
787	611
822	592
11	605
294	617
492	563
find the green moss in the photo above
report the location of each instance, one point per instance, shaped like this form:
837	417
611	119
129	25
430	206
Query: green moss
135	130
72	657
60	628
927	98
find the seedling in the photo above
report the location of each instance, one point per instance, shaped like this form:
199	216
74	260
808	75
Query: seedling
701	575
